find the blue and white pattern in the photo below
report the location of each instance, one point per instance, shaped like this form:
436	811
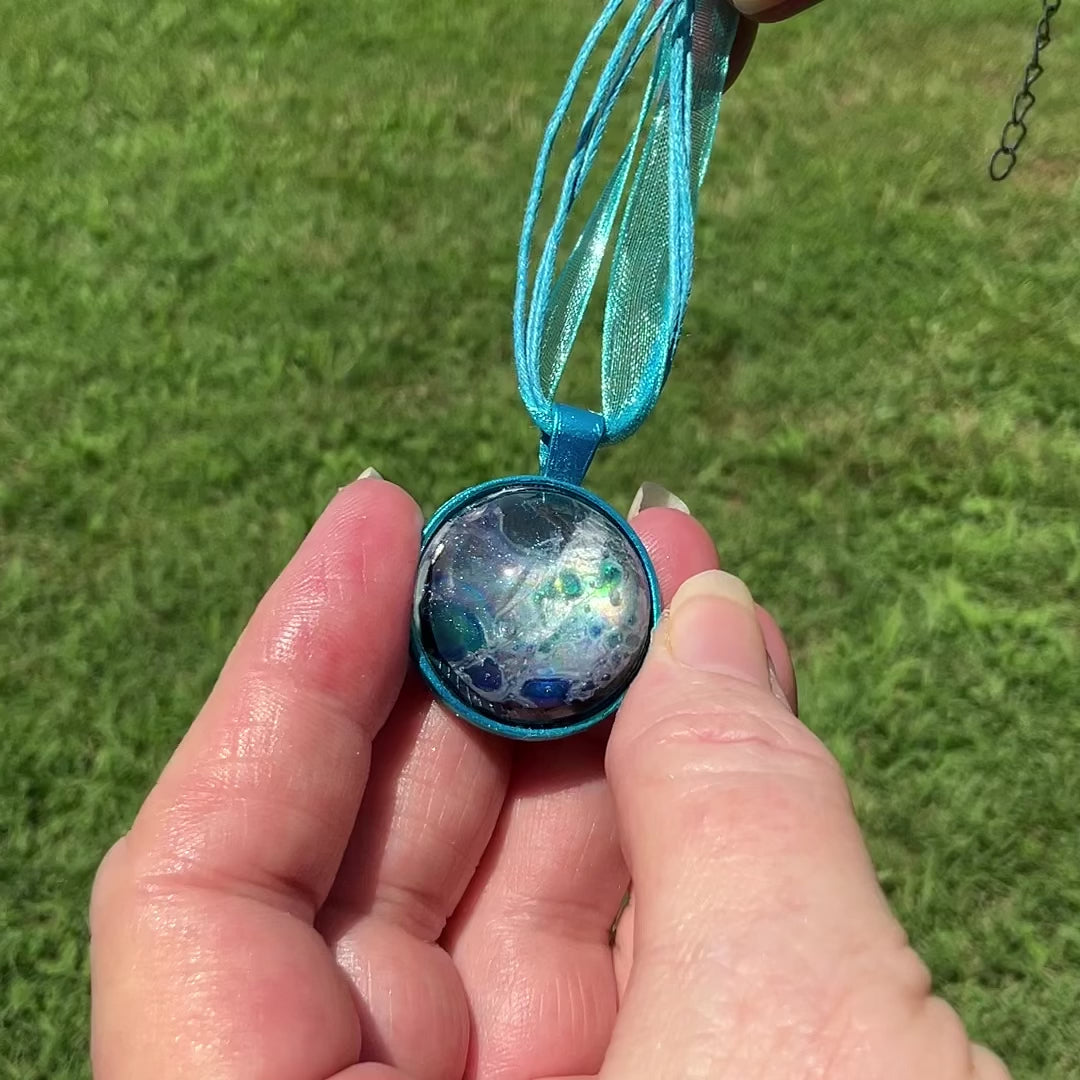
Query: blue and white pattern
532	606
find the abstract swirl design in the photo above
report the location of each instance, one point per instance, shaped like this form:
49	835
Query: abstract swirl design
533	606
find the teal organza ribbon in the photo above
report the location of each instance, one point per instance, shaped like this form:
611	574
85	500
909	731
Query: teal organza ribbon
652	260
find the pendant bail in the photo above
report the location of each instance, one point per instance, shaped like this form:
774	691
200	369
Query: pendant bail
567	452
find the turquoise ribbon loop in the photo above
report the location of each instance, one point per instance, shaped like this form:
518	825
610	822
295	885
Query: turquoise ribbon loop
652	259
567	452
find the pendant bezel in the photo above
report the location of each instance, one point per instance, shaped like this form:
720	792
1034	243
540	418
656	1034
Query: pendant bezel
441	689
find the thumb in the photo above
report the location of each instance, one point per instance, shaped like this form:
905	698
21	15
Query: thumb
762	944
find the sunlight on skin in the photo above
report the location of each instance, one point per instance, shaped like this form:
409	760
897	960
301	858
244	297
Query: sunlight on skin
207	953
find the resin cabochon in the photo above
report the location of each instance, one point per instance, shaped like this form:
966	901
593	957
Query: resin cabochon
533	607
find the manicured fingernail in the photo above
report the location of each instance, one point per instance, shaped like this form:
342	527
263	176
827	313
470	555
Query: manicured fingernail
649	496
370	473
767	11
712	626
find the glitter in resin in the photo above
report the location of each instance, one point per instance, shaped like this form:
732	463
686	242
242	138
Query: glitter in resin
533	607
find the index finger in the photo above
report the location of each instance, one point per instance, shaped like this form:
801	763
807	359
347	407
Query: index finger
262	793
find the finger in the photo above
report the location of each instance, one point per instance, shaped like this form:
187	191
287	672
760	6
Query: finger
745	35
262	793
773	10
679	547
430	807
754	898
783	684
782	669
531	938
371	1072
204	958
622	948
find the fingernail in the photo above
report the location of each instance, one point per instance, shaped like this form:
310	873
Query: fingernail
649	496
775	685
712	626
614	929
768	11
370	473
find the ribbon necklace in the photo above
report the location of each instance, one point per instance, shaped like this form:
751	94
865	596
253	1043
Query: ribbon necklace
534	599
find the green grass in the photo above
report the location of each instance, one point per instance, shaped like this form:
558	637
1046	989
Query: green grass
248	247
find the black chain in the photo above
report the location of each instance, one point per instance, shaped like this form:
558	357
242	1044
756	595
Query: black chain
1012	135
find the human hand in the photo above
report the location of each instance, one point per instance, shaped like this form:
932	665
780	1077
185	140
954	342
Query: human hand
335	878
753	13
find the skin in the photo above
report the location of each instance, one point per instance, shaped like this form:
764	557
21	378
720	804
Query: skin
754	12
334	878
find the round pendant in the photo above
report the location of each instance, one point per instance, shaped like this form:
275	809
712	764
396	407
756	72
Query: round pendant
533	607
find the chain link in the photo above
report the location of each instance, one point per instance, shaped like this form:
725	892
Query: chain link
1015	130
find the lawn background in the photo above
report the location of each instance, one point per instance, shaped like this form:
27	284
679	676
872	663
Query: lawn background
249	247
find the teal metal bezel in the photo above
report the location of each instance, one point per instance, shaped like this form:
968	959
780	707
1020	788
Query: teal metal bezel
427	669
